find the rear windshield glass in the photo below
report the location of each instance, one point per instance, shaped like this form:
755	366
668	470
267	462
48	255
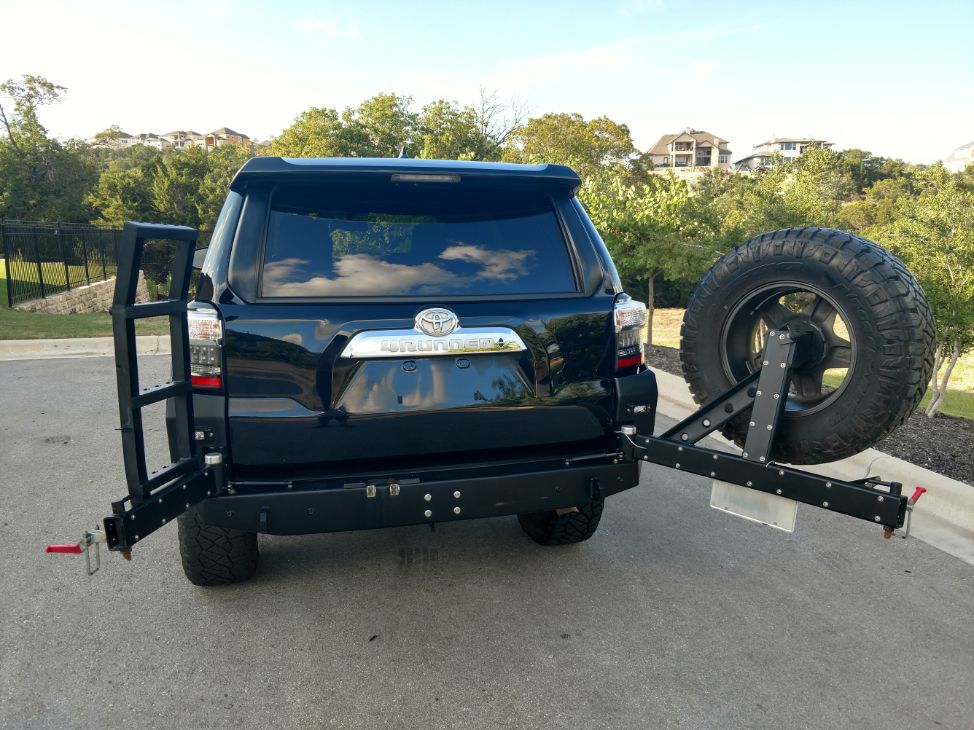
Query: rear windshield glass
424	239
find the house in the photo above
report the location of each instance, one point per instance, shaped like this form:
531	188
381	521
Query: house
691	150
789	148
177	139
181	139
960	158
151	140
220	137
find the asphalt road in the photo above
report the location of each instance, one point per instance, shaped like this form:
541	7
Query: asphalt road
674	615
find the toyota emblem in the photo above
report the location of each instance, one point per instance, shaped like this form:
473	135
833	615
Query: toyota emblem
436	322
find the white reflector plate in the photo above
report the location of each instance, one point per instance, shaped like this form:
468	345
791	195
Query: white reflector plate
752	504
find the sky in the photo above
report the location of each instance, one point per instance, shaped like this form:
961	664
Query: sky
895	78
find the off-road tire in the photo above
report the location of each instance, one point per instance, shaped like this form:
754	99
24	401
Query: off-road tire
214	556
548	528
886	311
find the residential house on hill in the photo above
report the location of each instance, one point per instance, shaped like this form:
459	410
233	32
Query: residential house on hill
181	139
960	158
222	136
690	150
178	139
789	148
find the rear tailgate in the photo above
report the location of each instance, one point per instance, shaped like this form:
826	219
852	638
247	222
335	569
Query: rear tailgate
415	319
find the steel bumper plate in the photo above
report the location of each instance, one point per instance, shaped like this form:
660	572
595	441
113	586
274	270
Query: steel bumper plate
293	511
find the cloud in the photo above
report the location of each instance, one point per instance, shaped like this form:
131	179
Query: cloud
355	275
705	69
499	265
363	274
294	338
329	27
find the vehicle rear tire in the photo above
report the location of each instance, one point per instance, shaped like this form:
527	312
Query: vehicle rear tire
214	556
550	528
873	324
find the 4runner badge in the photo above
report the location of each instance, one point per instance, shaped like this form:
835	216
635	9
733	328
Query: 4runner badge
436	322
436	331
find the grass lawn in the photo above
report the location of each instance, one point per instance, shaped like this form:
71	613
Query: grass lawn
960	394
17	325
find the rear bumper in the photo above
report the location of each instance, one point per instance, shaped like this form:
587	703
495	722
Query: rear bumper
292	508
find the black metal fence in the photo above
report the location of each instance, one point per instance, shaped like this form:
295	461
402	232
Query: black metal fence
41	259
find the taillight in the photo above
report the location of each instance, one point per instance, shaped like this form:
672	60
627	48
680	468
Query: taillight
205	351
630	317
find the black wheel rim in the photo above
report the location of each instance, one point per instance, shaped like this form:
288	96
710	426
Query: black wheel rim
818	382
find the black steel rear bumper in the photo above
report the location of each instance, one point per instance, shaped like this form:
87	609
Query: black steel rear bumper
295	508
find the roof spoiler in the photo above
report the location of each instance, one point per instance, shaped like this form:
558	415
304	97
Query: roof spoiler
281	167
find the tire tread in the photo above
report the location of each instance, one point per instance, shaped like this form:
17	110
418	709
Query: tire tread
902	319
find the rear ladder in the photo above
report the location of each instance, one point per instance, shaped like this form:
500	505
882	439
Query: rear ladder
155	499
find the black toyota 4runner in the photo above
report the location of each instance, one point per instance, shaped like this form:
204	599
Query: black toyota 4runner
392	342
395	342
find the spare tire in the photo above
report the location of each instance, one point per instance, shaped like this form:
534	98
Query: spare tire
868	313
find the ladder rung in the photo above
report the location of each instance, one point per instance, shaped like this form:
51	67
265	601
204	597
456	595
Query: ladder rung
155	309
161	232
160	392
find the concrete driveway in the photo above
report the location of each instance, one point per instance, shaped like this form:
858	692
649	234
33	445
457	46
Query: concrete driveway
672	616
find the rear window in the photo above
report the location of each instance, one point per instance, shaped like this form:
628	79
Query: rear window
428	239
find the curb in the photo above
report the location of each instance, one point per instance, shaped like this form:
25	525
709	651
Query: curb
944	517
78	347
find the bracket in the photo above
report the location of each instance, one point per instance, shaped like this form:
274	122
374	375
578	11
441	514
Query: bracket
764	393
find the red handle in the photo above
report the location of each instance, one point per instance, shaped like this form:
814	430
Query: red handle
74	549
920	491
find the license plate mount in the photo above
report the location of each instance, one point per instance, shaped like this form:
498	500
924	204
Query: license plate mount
772	510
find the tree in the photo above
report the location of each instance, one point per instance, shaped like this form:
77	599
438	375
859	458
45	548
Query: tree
122	194
40	178
879	206
592	148
222	164
498	120
866	169
317	132
816	186
753	204
175	186
448	132
653	229
934	233
381	126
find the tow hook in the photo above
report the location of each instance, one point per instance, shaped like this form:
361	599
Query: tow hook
917	493
88	539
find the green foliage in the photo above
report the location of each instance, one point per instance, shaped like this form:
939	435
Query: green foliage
865	169
596	148
185	187
449	132
653	229
383	124
317	132
40	178
933	232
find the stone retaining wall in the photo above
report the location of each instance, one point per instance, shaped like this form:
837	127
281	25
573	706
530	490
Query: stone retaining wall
93	298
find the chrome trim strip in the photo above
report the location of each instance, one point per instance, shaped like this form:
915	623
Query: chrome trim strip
413	343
